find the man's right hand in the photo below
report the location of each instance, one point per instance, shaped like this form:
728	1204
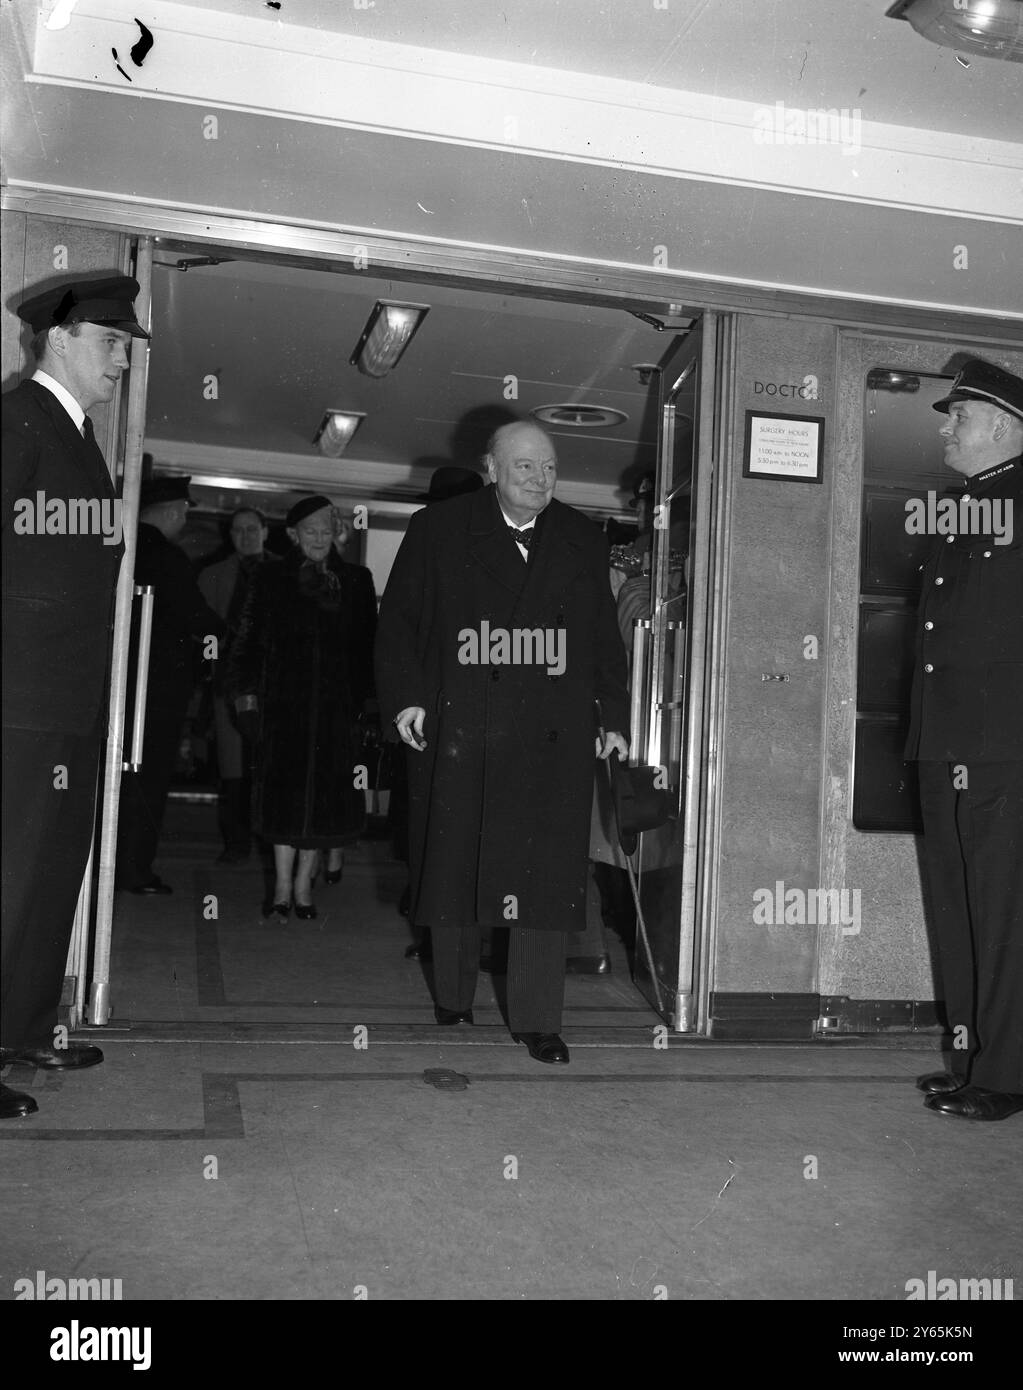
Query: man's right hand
409	724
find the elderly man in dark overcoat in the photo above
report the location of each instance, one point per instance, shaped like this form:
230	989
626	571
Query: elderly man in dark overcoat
967	732
62	548
497	638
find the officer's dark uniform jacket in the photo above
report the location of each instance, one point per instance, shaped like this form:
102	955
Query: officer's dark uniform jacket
967	697
58	590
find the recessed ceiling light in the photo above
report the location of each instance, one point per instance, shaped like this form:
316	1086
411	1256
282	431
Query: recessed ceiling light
336	430
580	417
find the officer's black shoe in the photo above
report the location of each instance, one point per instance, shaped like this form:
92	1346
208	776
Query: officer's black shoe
545	1047
447	1017
14	1105
419	950
976	1103
588	965
70	1058
940	1083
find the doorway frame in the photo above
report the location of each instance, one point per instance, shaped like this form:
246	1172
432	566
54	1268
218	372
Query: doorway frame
657	292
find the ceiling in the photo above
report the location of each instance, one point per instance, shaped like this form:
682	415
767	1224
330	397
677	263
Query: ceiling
278	338
808	53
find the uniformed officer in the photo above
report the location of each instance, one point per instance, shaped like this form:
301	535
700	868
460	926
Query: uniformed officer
967	733
181	617
61	555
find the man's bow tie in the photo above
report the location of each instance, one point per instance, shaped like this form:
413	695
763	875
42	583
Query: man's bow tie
522	537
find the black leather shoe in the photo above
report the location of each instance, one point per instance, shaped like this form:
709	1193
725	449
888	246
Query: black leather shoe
333	875
154	887
976	1103
588	965
14	1105
419	950
279	912
545	1047
447	1017
70	1058
940	1083
305	912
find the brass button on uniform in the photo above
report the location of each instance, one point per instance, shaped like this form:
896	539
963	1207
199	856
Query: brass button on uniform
928	626
928	668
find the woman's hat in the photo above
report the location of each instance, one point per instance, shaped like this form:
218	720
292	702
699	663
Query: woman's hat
304	507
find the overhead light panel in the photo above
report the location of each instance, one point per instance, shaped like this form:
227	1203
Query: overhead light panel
987	28
336	430
389	330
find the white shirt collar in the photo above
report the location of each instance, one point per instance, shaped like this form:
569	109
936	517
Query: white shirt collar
527	526
63	395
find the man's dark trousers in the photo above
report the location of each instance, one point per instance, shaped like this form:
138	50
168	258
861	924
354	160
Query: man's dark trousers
973	853
47	832
536	974
144	793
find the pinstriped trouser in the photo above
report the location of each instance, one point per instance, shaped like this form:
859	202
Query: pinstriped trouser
536	974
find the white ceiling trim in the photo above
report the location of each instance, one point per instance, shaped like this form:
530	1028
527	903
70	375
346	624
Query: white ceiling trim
353	479
221	62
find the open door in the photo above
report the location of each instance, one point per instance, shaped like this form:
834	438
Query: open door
669	653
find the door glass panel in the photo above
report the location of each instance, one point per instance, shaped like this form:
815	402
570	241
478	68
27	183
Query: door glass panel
667	662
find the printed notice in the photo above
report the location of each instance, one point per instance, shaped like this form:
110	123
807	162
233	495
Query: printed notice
783	446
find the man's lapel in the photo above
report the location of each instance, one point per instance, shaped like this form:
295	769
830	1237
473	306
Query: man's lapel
491	544
555	559
86	453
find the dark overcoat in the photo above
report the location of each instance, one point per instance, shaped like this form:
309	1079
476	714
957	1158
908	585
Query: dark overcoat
967	697
499	801
306	653
58	590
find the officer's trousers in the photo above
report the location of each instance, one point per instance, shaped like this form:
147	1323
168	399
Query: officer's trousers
973	858
49	798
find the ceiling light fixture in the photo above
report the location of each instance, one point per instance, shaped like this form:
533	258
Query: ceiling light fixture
389	330
336	430
987	28
580	417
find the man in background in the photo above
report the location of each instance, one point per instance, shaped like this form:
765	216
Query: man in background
224	585
181	619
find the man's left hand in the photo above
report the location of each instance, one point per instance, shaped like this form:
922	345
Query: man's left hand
613	742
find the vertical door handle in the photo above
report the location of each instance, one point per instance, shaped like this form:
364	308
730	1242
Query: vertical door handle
138	727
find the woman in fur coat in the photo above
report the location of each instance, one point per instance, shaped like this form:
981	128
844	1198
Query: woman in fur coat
300	673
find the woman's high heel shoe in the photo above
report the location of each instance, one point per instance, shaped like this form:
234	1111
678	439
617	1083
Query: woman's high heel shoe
280	911
333	875
305	912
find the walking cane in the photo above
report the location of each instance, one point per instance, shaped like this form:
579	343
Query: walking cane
640	922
